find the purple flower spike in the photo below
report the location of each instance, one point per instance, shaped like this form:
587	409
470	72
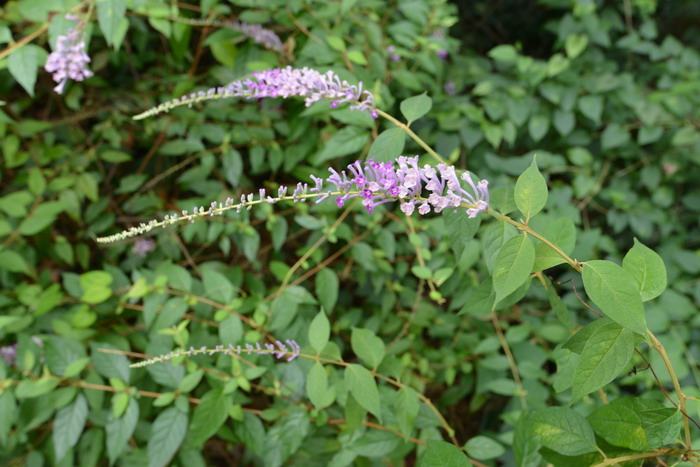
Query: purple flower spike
259	34
287	82
69	60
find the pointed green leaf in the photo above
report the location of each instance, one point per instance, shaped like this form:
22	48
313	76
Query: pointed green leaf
167	433
606	354
531	191
415	107
615	292
577	342
68	426
208	417
109	16
119	430
327	288
562	233
513	265
367	346
23	65
363	388
563	430
319	332
460	229
407	408
319	393
441	453
388	145
648	270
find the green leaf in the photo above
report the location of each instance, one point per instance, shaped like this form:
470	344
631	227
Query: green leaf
606	353
208	417
415	107
538	126
60	353
167	433
460	229
636	423
577	342
109	15
513	265
348	140
336	43
376	444
363	388
217	286
68	426
615	292
14	262
96	286
562	233
575	44
327	288
564	121
441	454
648	270
388	145
591	107
614	136
320	394
31	388
407	408
319	332
525	446
110	365
483	448
41	217
367	346
531	191
119	430
23	65
504	53
563	430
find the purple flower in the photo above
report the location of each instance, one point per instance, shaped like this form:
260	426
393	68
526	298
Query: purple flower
286	82
450	88
375	183
442	54
143	246
9	354
69	60
259	34
393	56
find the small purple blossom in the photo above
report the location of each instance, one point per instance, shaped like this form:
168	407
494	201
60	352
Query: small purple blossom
259	34
9	354
450	88
286	82
69	60
442	54
143	246
393	56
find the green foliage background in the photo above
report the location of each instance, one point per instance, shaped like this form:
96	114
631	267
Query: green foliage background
605	93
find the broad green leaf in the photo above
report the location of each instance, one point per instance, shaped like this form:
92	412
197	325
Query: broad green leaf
614	136
564	121
415	107
217	286
575	44
459	229
23	65
167	433
327	288
14	262
562	233
531	191
563	430
648	270
388	145
538	126
407	408
615	292
42	217
348	140
636	423
8	412
367	346
483	448
560	309
606	353
68	426
513	265
30	388
376	444
363	388
319	393
577	342
208	416
441	454
525	446
109	16
119	430
319	332
591	107
60	353
504	53
96	286
109	365
493	236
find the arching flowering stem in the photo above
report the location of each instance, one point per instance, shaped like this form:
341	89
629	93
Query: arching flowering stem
279	350
375	183
286	82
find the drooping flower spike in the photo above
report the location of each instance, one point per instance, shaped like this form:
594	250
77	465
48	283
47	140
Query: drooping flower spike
376	183
278	350
307	83
69	60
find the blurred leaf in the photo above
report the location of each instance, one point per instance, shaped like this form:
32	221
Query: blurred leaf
167	433
388	145
415	107
363	388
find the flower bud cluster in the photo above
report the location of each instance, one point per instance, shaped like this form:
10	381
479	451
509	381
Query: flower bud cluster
279	350
259	34
286	82
69	60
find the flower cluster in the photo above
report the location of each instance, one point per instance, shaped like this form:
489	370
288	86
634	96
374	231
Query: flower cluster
376	183
69	60
259	34
8	353
279	350
286	82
